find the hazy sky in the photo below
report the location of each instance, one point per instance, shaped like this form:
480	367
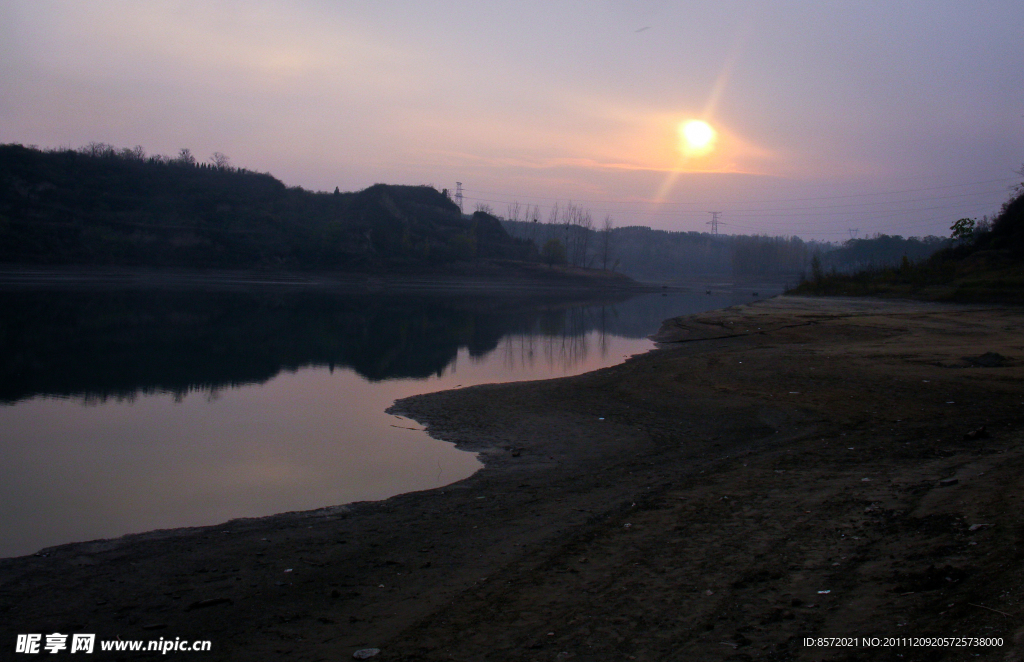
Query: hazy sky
895	117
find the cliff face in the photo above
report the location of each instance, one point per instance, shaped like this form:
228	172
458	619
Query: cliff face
73	208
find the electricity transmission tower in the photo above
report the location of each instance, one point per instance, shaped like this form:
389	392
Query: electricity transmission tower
713	222
458	195
853	232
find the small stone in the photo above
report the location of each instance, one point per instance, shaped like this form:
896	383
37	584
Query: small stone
980	433
946	482
365	653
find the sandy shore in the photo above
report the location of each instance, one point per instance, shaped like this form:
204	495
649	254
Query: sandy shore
794	468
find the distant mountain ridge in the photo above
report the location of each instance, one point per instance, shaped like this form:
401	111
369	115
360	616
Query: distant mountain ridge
121	208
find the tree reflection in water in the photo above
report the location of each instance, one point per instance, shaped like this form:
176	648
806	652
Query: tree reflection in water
121	344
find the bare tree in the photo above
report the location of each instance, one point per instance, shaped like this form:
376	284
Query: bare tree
606	242
534	220
220	161
585	229
98	149
185	157
513	211
553	214
568	218
136	153
577	226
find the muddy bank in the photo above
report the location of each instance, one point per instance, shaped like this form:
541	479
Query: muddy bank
794	468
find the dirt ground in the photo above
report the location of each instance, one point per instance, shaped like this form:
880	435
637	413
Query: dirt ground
822	468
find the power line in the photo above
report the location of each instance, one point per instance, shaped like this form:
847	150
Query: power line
808	211
770	201
870	214
860	204
876	213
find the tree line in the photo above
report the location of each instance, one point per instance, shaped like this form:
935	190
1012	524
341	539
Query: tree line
981	262
101	205
643	253
106	205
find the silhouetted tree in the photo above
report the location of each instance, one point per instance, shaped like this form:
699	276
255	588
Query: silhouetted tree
962	230
553	252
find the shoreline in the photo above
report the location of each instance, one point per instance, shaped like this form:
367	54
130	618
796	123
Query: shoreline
510	277
746	491
515	279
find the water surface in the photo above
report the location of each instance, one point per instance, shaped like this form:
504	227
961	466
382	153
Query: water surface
129	411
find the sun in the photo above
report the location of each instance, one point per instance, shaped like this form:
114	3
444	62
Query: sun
697	137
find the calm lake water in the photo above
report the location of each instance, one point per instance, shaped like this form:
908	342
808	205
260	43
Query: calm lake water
127	411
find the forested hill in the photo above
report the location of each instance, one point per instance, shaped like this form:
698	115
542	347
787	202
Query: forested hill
983	264
121	207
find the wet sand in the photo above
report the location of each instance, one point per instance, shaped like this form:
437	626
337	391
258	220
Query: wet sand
793	468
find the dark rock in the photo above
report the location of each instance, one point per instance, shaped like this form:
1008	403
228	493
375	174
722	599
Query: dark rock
988	360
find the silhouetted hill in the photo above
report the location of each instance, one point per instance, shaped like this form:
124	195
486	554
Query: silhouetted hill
120	207
1007	230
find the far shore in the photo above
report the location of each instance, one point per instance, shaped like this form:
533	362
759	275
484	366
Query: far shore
470	276
465	278
794	468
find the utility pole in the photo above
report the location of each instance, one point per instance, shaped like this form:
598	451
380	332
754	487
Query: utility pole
458	195
853	232
713	222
